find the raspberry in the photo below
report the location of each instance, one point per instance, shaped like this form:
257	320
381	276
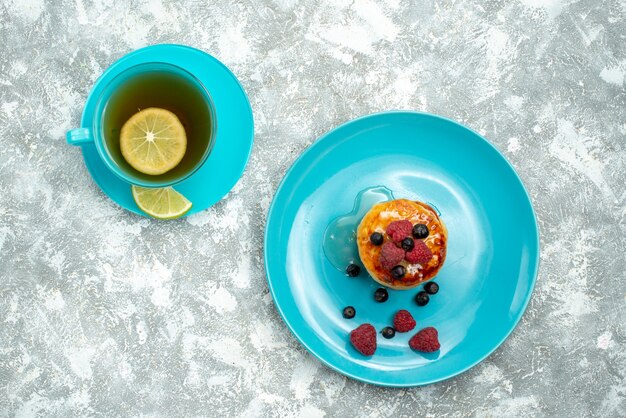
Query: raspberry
399	230
426	340
403	321
363	339
419	254
390	255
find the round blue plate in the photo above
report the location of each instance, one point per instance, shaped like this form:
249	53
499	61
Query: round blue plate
233	142
493	249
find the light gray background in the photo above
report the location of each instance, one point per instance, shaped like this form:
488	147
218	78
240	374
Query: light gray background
105	313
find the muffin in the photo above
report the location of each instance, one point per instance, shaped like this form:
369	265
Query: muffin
402	243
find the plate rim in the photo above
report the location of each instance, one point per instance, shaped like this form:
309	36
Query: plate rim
373	381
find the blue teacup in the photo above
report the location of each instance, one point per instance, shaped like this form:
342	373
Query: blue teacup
152	84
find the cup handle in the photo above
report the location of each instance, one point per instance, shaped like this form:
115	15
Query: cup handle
78	136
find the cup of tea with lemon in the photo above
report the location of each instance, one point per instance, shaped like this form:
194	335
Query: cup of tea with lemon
154	127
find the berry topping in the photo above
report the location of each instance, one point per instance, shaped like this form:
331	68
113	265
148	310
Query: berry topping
431	288
377	238
398	272
403	321
419	254
426	341
363	339
420	231
422	299
399	230
349	312
388	332
381	295
353	270
390	255
407	244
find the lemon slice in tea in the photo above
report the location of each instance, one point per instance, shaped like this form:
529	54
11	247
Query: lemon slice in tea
162	203
153	141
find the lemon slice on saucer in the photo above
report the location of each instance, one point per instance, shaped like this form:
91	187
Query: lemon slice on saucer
162	203
153	141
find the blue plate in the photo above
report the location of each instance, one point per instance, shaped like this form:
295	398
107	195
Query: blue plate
233	142
493	249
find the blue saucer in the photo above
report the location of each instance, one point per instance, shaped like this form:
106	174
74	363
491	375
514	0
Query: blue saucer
493	248
233	142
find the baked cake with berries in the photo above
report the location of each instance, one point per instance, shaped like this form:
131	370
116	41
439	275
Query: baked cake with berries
402	243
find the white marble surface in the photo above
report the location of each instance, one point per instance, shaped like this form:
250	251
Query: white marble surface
104	313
